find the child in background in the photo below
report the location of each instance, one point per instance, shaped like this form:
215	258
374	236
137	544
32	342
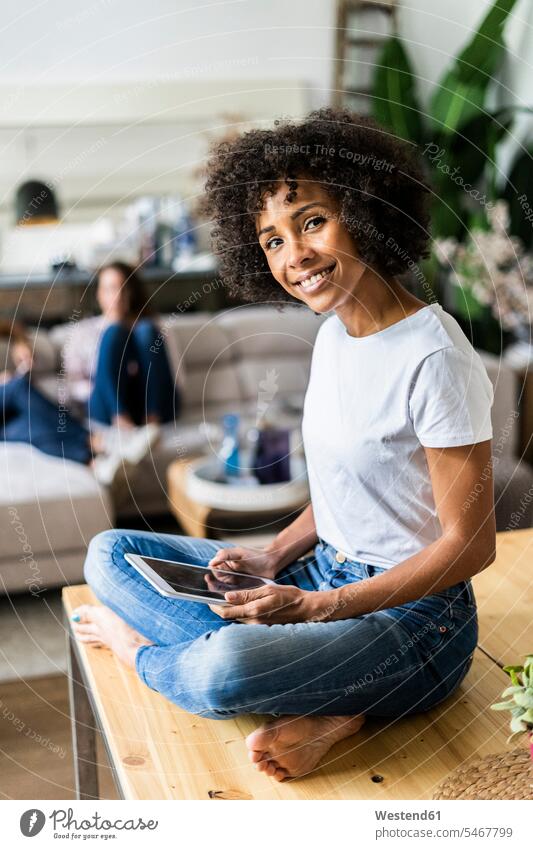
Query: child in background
27	415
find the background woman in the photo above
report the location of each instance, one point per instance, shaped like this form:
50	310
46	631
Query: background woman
114	368
380	619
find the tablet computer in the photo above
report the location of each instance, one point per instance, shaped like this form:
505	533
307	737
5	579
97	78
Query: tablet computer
195	583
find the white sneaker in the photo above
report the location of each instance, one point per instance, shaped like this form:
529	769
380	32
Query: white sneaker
126	449
107	467
135	444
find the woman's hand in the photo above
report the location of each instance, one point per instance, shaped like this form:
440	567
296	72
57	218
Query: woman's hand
276	604
252	561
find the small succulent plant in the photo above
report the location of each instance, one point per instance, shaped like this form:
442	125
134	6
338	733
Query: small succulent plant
519	698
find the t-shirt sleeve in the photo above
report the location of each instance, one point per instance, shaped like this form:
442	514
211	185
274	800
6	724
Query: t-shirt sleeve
451	399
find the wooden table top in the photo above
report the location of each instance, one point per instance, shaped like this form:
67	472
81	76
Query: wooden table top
504	593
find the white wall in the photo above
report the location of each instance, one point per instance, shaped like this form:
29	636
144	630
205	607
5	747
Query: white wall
198	46
115	40
55	118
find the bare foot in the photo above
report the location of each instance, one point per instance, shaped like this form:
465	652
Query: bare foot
293	746
99	625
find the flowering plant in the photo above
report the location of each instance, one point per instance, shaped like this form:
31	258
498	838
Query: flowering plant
492	268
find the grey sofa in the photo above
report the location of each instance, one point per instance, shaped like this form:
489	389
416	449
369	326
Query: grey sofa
252	360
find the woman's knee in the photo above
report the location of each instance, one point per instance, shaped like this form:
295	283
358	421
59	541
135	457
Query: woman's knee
113	340
115	330
99	564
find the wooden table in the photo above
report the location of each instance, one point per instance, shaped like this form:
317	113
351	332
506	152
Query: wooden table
158	751
201	520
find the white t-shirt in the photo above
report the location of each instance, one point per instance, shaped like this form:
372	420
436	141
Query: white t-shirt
371	405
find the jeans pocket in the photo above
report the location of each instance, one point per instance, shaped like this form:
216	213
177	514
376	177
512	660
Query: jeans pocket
426	625
464	604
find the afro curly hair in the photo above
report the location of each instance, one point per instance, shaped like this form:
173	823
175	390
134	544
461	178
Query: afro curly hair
376	179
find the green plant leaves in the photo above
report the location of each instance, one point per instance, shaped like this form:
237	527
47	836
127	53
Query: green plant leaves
524	698
460	95
517	724
509	691
520	704
513	672
394	101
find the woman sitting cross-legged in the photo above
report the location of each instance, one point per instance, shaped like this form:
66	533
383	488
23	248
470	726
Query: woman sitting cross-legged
372	612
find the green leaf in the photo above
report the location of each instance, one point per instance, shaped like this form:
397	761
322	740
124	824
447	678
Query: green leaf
509	691
460	95
471	150
454	104
485	49
524	699
517	724
502	706
394	100
447	219
528	716
513	671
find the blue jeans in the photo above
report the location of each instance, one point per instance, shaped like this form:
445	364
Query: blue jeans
389	663
132	376
27	416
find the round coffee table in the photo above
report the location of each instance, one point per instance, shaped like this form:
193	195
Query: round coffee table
206	507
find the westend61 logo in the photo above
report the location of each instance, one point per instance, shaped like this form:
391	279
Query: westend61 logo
65	825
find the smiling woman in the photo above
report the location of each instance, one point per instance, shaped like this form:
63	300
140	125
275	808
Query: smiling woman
384	209
380	619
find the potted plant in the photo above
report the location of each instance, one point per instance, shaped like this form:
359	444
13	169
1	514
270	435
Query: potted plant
519	700
461	127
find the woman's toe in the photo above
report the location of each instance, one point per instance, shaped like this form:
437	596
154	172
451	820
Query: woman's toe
87	638
81	613
281	774
256	756
86	630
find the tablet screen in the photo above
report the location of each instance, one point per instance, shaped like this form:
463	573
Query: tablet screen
192	579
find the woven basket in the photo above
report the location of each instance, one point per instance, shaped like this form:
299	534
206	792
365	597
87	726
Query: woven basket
507	775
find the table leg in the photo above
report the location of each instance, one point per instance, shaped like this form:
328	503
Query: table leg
83	727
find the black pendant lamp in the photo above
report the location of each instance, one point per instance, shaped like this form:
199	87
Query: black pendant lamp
35	203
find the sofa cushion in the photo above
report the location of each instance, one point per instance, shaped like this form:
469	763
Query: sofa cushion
47	505
200	338
266	331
